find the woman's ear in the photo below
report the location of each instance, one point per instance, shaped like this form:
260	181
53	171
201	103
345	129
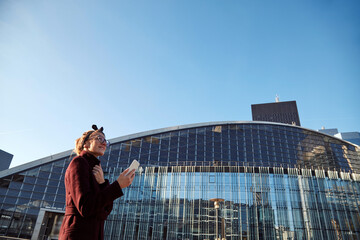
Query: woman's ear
86	145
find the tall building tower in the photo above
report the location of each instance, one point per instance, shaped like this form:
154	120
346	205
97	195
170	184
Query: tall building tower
5	160
280	112
329	131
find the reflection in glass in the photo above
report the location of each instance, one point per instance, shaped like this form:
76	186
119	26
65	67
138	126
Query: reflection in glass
277	182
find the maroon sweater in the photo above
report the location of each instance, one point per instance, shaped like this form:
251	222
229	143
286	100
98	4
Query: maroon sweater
87	203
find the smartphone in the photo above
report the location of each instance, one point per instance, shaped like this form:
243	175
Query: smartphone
134	165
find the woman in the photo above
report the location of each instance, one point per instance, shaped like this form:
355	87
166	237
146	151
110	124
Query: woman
89	197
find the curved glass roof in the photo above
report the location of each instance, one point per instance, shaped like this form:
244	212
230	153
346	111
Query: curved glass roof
244	143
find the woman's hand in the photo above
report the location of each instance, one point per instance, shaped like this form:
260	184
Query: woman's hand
98	174
125	179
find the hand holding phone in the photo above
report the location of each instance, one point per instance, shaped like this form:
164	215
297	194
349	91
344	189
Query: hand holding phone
134	165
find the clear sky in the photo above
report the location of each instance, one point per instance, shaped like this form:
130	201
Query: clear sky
133	66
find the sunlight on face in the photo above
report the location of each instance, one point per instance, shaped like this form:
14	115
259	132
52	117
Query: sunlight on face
97	145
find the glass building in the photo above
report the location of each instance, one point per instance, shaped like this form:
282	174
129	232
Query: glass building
273	181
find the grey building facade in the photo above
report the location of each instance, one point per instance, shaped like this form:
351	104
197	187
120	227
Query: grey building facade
5	160
353	137
277	181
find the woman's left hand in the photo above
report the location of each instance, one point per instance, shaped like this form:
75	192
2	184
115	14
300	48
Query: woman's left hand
98	174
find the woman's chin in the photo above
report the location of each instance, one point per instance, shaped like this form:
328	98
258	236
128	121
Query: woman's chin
98	153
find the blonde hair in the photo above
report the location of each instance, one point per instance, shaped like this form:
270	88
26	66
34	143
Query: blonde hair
80	142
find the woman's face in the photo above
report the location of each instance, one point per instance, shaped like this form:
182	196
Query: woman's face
96	145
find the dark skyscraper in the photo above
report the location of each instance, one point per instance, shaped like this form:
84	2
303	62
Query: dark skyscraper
281	112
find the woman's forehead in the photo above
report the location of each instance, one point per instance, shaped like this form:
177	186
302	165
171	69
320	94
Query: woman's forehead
98	134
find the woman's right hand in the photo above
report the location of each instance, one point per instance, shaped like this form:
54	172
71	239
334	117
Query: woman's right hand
125	179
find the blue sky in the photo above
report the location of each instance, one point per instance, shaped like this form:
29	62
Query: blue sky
134	66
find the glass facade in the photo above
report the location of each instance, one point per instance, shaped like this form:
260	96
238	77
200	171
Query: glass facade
277	181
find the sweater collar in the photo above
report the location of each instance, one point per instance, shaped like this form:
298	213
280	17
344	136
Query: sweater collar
91	158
